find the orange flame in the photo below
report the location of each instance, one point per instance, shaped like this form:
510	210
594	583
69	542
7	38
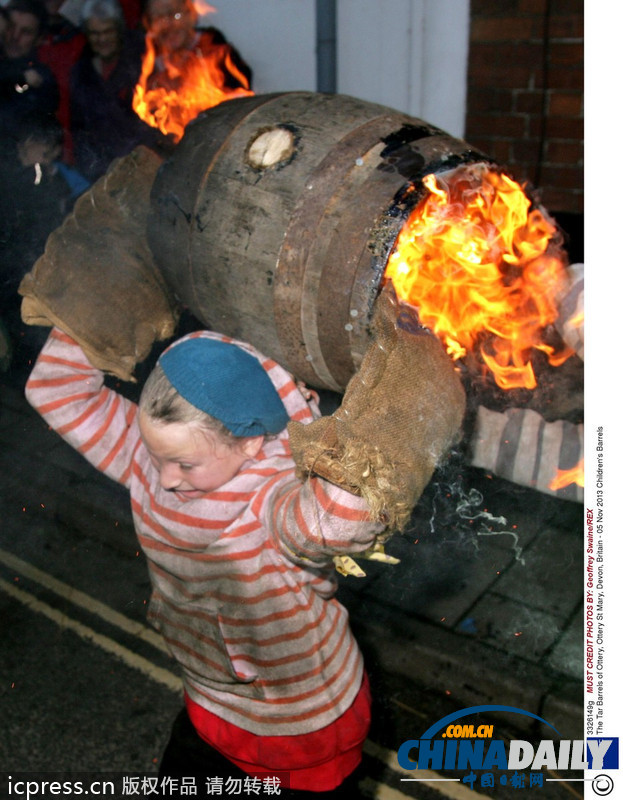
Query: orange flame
476	261
565	477
186	87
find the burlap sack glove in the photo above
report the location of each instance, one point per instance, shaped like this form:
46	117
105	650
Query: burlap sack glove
97	279
400	414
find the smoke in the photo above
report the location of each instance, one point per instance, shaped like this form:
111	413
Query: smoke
454	512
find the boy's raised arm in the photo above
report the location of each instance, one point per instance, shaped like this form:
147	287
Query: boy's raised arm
70	395
401	413
364	468
316	521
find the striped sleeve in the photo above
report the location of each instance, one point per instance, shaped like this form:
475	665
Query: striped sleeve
316	520
570	322
70	395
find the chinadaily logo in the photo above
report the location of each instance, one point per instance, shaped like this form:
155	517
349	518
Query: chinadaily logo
470	749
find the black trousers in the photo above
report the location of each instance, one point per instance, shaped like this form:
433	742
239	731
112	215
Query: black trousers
187	755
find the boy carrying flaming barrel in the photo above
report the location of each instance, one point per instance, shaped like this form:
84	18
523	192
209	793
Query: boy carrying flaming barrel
242	497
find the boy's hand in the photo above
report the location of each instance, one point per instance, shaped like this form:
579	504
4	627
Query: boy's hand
400	414
97	280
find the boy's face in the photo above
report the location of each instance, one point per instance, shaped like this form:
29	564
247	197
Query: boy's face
190	460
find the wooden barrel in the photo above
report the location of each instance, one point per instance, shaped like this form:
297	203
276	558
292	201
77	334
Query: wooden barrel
274	217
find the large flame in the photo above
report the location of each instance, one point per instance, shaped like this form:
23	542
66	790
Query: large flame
478	263
188	87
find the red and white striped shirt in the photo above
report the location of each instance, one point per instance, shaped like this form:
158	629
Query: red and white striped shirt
243	580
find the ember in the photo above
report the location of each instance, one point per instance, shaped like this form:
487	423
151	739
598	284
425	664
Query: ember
184	73
483	267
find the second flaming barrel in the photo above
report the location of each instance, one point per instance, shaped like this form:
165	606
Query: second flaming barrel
274	217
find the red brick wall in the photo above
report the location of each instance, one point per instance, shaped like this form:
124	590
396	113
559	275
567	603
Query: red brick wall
525	93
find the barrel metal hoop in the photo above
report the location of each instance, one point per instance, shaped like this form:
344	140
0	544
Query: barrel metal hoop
300	265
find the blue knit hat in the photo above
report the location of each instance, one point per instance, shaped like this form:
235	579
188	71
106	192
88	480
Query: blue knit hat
227	383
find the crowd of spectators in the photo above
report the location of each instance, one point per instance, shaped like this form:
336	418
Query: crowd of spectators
68	69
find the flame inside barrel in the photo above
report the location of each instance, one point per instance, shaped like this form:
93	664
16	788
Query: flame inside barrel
483	266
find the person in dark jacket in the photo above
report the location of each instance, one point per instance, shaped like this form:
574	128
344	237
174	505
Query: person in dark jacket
103	124
26	84
36	193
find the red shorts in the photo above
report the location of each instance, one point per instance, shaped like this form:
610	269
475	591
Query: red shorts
317	761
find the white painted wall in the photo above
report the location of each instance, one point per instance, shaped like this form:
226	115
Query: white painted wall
410	55
277	38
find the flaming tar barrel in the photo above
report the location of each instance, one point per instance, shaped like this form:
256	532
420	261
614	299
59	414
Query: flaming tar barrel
274	217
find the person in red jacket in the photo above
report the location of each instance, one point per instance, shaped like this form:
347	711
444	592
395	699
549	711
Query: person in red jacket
59	47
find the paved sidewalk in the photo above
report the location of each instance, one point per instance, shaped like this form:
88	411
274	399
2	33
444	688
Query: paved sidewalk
484	611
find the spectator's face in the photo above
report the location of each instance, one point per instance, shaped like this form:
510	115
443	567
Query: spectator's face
171	23
104	38
21	35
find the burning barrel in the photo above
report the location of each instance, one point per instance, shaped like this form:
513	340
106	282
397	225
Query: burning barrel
278	217
274	218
